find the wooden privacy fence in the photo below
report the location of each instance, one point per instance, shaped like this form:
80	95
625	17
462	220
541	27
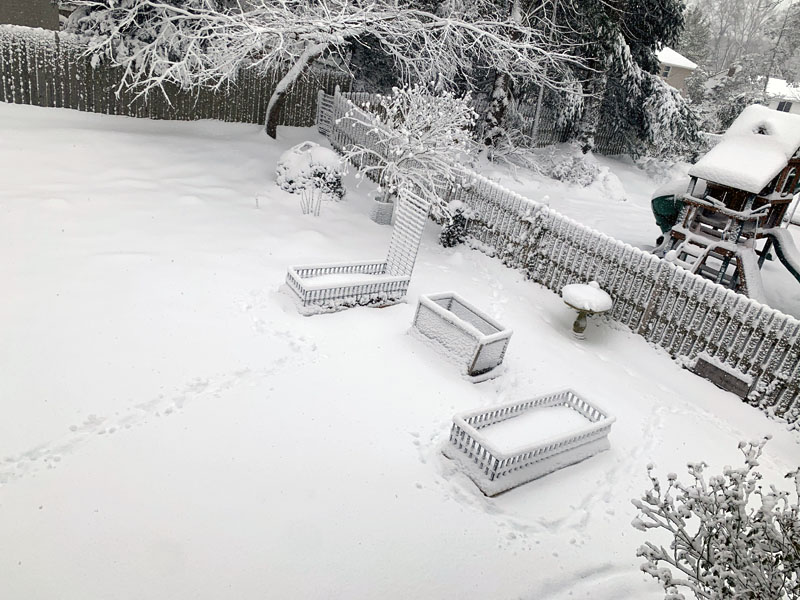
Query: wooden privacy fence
47	68
667	305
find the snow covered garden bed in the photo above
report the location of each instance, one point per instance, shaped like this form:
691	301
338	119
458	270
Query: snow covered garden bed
505	446
328	287
464	333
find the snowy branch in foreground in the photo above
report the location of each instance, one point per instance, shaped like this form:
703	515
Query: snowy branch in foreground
199	42
413	139
730	536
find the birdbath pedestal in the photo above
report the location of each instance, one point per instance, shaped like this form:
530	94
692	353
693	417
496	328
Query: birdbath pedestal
587	299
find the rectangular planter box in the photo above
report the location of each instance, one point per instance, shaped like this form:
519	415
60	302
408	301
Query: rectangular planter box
473	339
495	468
334	286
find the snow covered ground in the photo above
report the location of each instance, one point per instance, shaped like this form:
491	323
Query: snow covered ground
172	428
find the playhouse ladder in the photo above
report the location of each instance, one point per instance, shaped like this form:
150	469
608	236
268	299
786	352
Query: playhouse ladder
735	269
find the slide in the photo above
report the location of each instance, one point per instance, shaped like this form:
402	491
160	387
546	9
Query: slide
785	249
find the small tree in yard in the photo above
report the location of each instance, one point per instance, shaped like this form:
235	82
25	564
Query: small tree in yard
414	141
732	536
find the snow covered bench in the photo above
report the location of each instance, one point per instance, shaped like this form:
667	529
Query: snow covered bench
508	445
473	339
334	286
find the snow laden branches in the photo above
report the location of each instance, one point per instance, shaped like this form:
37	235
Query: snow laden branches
731	535
207	42
414	140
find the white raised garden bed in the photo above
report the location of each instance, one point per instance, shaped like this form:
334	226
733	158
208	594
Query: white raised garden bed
508	445
330	287
468	336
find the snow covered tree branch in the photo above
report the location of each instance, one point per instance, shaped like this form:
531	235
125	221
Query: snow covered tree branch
731	536
207	42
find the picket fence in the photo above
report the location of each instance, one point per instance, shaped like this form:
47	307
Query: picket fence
667	305
51	69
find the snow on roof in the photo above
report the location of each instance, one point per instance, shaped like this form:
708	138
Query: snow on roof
753	151
780	88
668	56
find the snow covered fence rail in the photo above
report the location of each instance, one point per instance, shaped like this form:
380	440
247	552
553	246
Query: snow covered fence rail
671	307
47	68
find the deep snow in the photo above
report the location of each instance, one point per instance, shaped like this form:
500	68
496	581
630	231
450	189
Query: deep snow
174	429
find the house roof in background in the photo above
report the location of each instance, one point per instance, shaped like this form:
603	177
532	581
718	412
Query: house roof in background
668	56
780	88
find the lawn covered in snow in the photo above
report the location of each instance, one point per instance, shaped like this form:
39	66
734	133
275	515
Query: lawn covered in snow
172	428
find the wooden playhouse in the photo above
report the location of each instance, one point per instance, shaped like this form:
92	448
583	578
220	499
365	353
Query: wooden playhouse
738	196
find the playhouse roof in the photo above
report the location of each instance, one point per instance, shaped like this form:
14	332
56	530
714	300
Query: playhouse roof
753	151
668	56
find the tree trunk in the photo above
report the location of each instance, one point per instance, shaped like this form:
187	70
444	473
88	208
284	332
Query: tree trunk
501	96
590	118
501	92
278	98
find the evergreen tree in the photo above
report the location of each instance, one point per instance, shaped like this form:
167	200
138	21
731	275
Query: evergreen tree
621	88
647	25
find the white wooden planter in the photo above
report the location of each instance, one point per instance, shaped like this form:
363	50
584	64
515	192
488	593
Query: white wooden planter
496	468
470	337
334	286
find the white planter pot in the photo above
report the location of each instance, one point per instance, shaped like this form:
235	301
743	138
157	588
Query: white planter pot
475	341
382	212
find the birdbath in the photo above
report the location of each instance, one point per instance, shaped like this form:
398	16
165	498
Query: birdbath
587	299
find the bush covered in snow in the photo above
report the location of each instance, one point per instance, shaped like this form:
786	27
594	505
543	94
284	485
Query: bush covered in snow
454	230
731	536
578	170
416	140
309	165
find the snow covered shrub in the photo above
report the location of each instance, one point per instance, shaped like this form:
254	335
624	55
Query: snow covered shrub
415	140
310	165
579	170
731	536
454	230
